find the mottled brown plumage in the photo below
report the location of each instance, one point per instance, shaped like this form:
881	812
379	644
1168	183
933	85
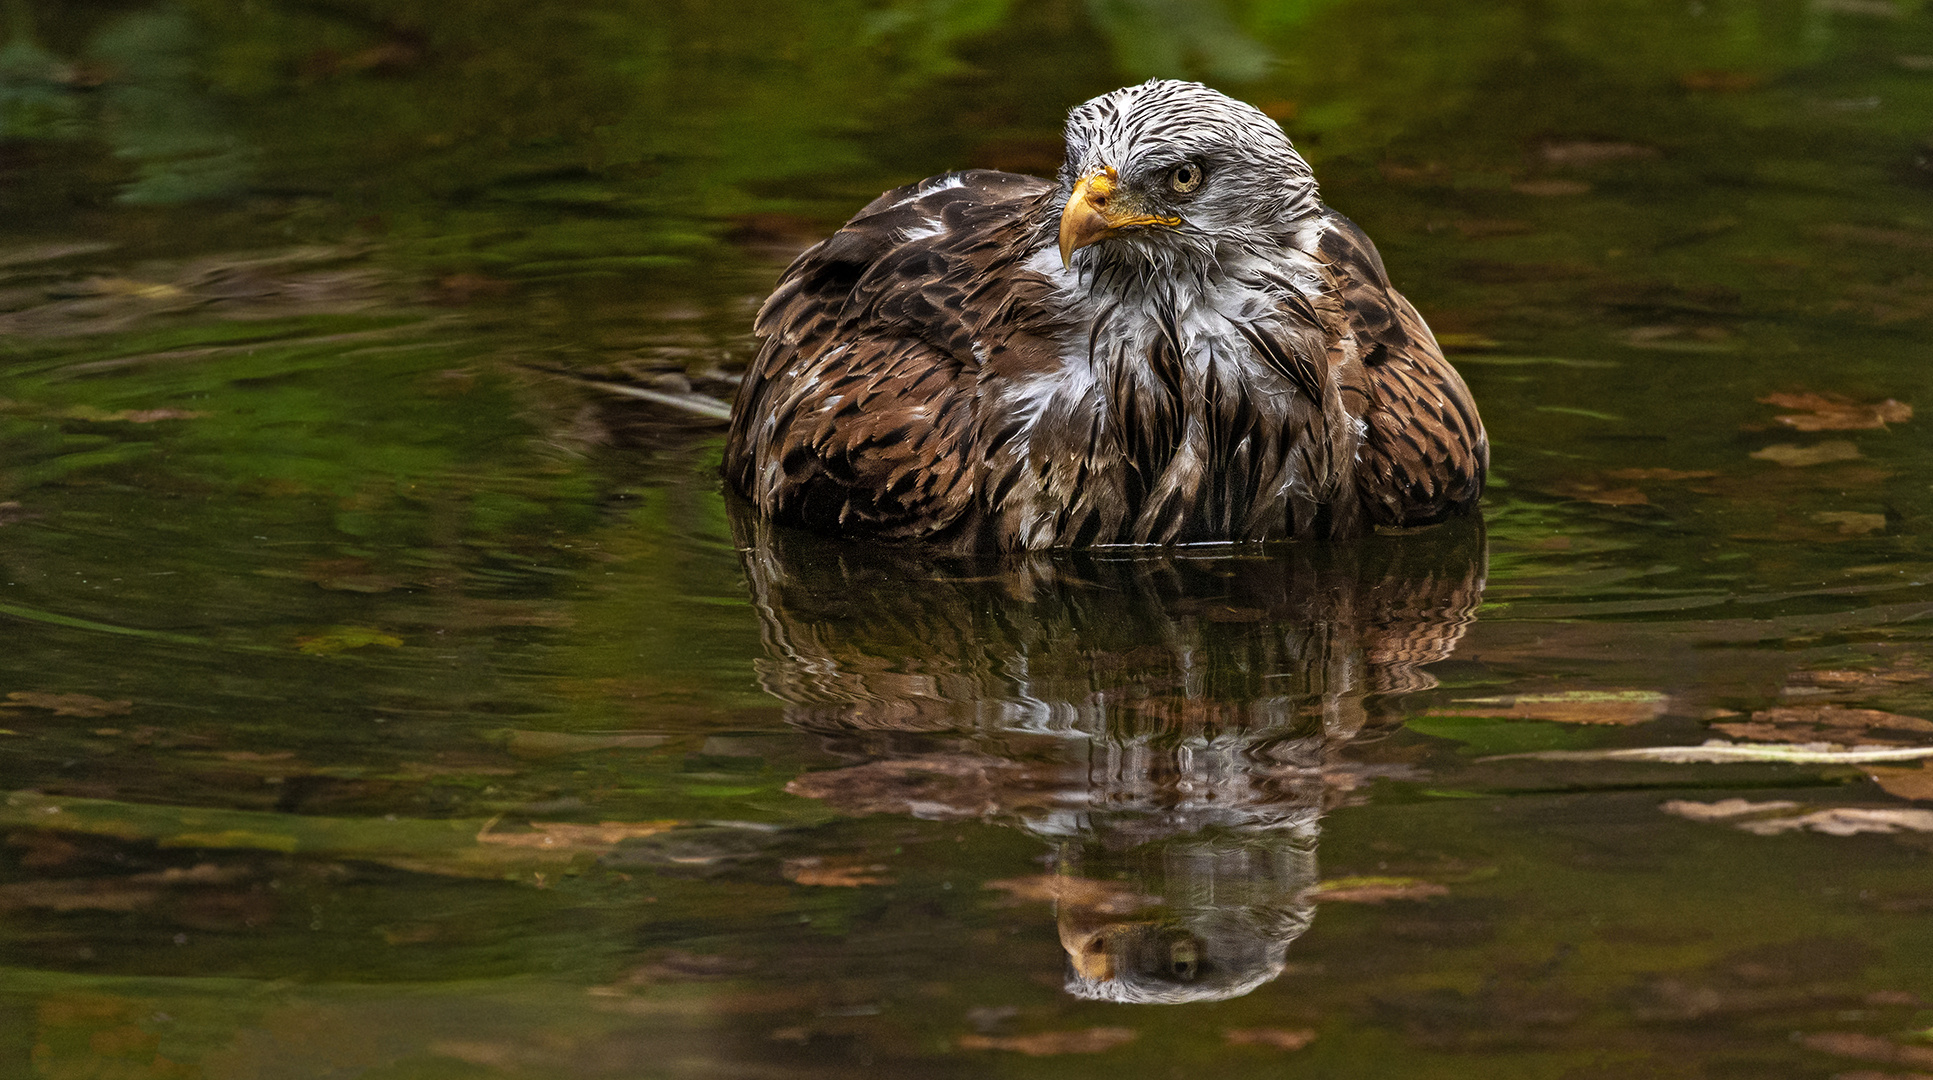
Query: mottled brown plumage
1221	360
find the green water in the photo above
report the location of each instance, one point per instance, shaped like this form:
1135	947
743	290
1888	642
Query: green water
383	696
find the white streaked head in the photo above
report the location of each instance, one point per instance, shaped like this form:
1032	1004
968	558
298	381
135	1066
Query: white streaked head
1172	172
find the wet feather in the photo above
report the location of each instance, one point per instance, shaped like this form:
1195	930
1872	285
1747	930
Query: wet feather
932	373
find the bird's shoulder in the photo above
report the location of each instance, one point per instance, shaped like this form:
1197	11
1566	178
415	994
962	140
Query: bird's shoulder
1424	451
937	258
859	414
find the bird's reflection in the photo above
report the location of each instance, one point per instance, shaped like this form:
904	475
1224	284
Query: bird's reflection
1169	723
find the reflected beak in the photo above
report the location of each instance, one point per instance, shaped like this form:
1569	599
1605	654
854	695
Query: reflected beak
1094	211
1088	953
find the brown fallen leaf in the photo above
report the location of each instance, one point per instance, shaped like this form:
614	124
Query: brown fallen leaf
1798	457
1725	809
1375	890
841	872
1105	897
1771	818
1046	1043
66	704
1568	707
1854	680
1835	412
1846	821
955	786
1826	723
566	836
1852	523
1915	784
1275	1038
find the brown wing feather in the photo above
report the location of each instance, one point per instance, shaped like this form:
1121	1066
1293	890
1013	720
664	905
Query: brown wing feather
859	415
1424	453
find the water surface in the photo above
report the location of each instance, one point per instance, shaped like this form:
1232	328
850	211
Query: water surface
390	691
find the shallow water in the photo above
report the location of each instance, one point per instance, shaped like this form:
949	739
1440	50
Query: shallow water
387	695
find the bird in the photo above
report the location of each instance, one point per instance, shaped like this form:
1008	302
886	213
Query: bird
1172	342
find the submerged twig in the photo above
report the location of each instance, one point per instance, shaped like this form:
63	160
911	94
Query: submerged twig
1719	751
697	404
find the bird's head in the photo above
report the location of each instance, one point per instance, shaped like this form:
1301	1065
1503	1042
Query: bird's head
1170	172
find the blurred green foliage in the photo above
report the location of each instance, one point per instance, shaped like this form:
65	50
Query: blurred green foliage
618	135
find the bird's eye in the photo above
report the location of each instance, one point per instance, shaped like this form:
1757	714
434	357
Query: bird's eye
1183	958
1185	178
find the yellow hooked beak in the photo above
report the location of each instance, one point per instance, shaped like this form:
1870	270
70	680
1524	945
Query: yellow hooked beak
1094	211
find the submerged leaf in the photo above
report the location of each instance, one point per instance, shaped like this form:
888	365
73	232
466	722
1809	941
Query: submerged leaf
1852	523
1600	494
568	836
1833	412
1661	474
1849	680
1725	809
1375	890
1798	457
1915	784
1274	1038
1847	821
1086	894
1551	188
66	704
1045	1043
1771	818
1570	706
1824	724
344	638
847	872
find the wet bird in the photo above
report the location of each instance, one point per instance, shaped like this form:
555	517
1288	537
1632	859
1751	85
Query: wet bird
1174	342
